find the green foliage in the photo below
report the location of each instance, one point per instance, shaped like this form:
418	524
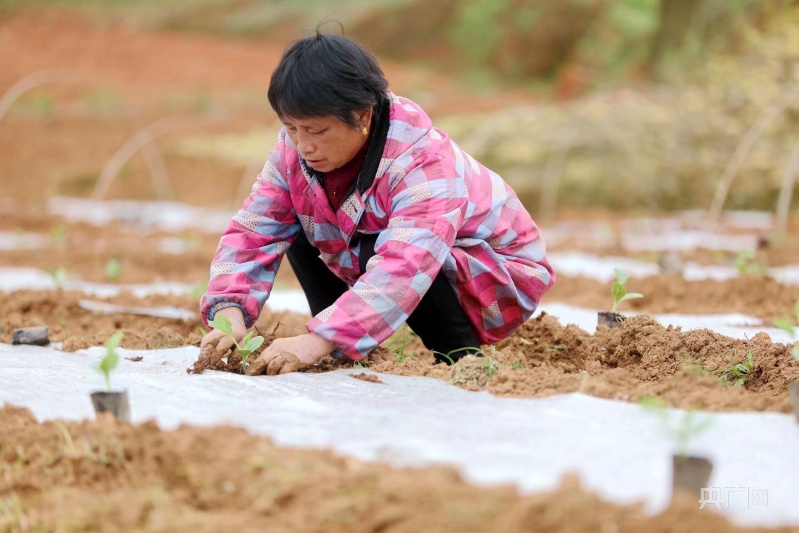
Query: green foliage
746	262
248	344
477	29
38	105
198	290
58	235
113	269
399	341
111	359
620	294
59	276
791	327
682	428
738	373
621	39
103	102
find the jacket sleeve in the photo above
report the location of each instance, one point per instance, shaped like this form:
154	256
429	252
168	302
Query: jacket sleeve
427	209
251	249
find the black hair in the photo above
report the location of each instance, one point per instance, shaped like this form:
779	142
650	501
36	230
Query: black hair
326	75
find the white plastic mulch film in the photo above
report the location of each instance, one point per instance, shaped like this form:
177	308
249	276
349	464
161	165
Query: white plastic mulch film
618	448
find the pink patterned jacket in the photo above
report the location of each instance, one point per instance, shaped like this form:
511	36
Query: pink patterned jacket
434	207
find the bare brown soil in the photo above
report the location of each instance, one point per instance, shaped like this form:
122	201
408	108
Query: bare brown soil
211	479
371	378
78	328
640	359
758	296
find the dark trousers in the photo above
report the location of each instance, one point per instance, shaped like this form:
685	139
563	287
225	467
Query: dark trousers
438	320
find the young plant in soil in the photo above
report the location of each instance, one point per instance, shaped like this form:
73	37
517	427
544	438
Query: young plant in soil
747	263
59	277
248	344
737	375
113	269
689	473
789	325
109	401
613	319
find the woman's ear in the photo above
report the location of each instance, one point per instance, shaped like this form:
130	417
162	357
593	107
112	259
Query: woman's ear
363	117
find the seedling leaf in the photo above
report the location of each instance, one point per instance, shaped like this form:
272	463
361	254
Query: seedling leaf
785	325
795	351
253	344
223	324
111	359
621	277
619	292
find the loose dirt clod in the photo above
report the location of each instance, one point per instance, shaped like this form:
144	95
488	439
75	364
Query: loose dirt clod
371	378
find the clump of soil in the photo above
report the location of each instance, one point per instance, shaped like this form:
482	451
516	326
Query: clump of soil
641	358
102	475
371	378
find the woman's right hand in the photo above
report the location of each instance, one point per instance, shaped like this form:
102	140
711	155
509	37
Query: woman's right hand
218	340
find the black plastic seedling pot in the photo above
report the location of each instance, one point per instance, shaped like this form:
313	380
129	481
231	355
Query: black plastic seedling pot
690	474
115	403
609	319
36	336
793	389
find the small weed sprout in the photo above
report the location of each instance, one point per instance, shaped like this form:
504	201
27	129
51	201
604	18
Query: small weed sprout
248	344
113	269
59	277
398	343
788	326
111	359
619	292
746	263
682	430
58	235
737	375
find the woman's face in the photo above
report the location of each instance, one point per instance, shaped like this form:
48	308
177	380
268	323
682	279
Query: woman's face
326	143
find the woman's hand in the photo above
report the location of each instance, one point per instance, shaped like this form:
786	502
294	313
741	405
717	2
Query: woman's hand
290	354
220	342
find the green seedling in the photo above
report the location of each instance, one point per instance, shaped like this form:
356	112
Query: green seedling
789	325
619	292
248	344
113	269
111	358
682	428
737	375
58	235
198	290
59	277
746	263
398	343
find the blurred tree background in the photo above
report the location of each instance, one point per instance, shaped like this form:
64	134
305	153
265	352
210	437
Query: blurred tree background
637	103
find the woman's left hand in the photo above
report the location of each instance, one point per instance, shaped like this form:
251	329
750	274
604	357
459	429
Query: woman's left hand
290	354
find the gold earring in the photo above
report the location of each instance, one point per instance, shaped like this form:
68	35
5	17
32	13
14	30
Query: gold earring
365	131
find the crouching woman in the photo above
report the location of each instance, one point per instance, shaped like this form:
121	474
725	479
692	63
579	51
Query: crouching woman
384	219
